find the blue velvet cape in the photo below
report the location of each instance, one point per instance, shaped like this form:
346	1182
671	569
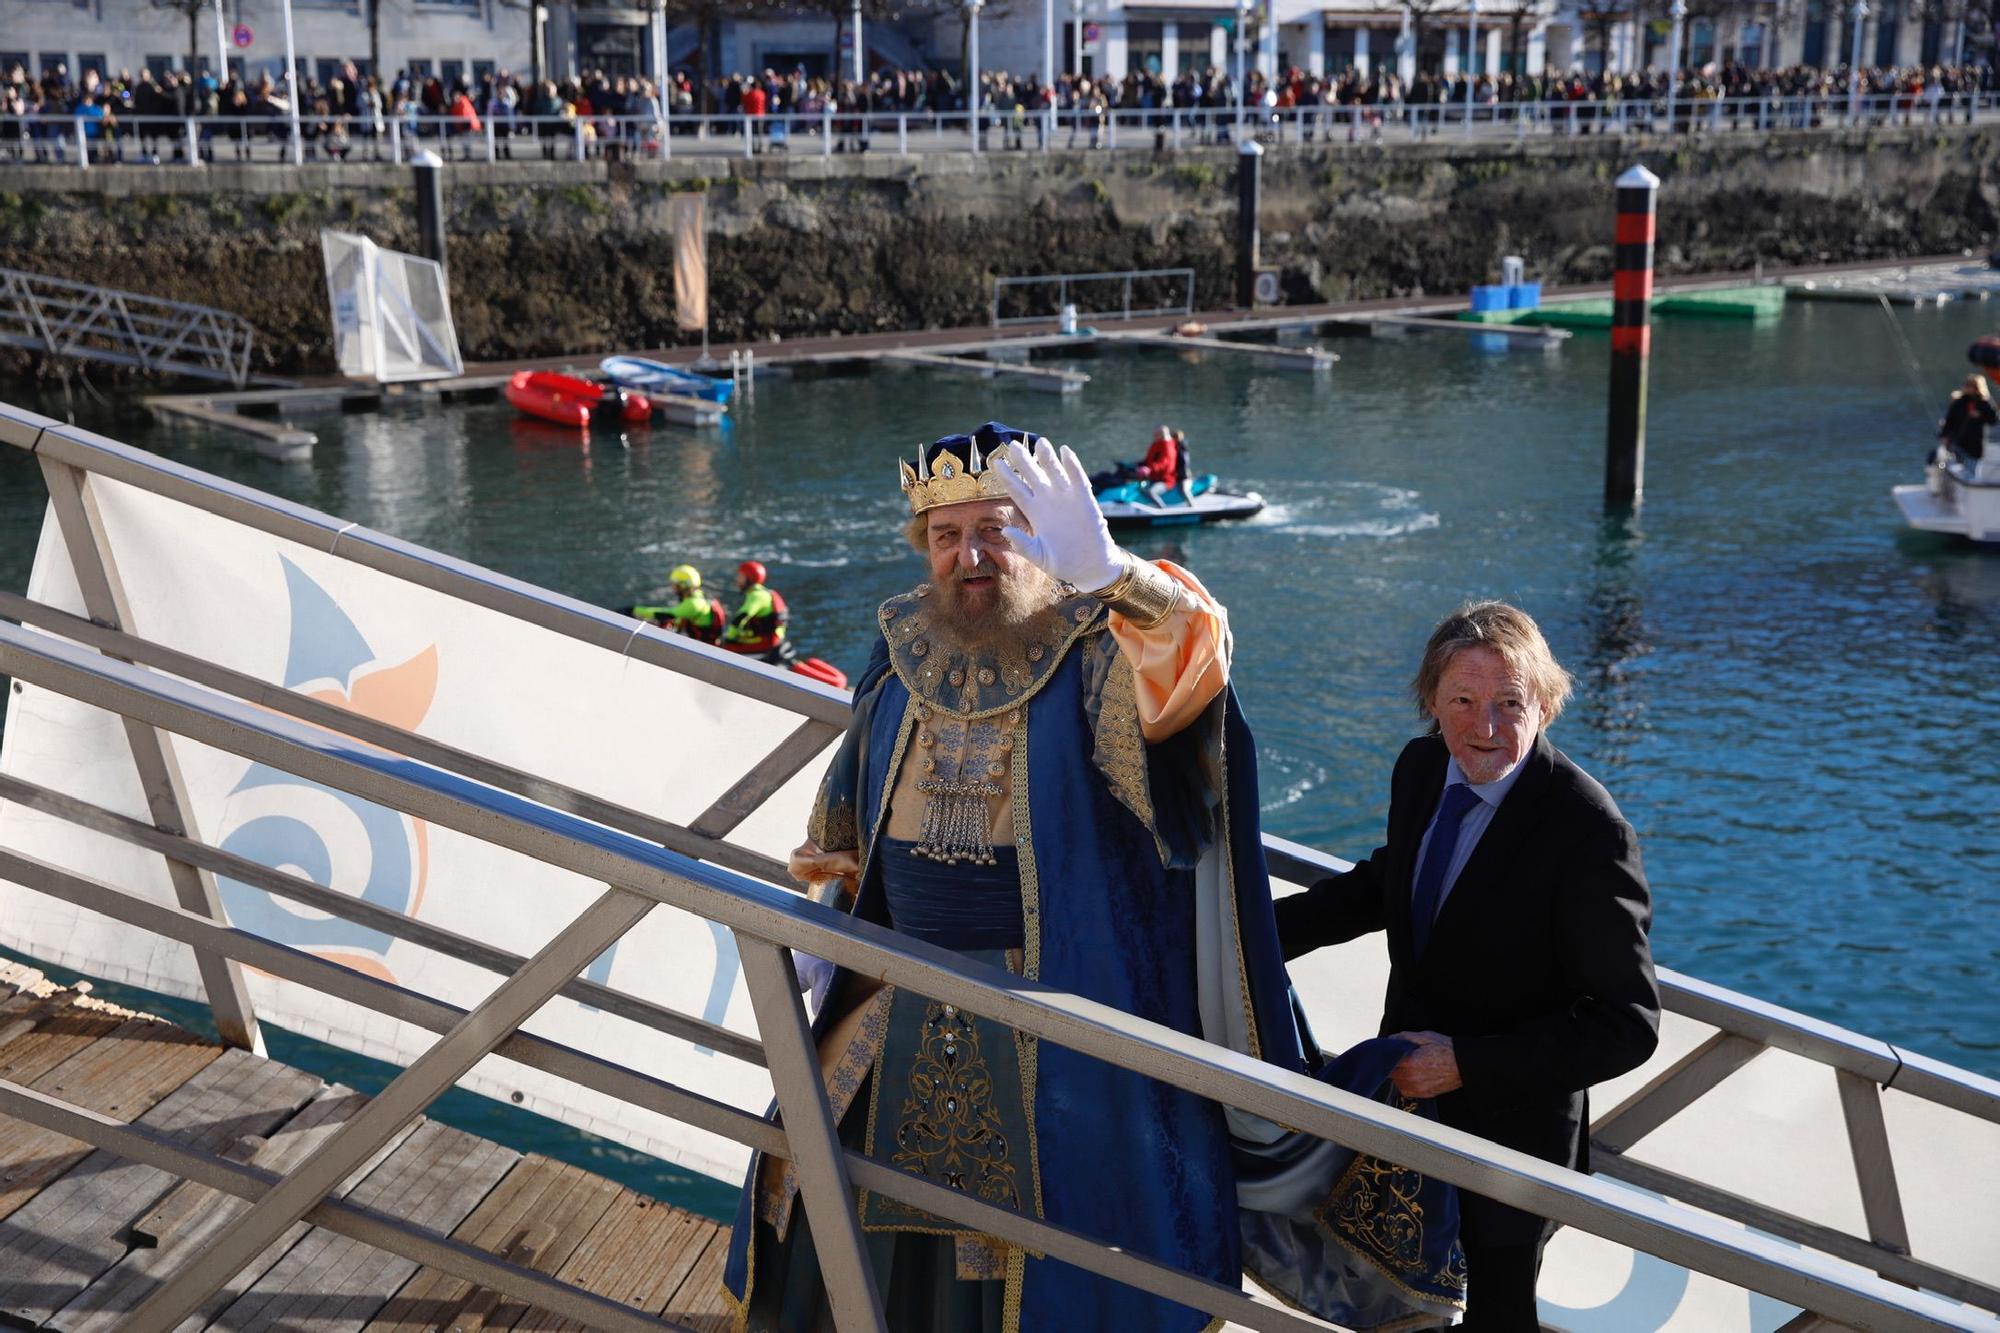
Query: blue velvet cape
1123	1158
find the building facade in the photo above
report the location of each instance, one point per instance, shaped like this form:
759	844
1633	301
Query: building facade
456	39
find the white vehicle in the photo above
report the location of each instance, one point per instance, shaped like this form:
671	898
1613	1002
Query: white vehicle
1955	498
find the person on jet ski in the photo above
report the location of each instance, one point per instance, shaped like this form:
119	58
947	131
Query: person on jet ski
758	627
1166	467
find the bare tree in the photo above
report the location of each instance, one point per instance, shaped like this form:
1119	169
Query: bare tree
1422	14
1519	16
193	9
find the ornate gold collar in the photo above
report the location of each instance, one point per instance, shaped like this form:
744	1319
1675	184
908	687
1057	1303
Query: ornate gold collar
976	680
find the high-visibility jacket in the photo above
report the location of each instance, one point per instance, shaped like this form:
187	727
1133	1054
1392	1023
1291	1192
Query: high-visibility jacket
759	624
696	615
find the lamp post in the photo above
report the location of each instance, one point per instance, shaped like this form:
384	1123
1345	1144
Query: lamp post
292	89
1471	43
1856	16
223	53
1049	71
1076	37
1242	74
1679	15
1406	49
860	66
972	8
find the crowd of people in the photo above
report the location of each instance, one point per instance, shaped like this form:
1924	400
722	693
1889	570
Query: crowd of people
353	114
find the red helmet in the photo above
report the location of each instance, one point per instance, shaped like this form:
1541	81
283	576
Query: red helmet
751	571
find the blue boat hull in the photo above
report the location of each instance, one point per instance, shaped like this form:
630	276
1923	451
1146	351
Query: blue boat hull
636	372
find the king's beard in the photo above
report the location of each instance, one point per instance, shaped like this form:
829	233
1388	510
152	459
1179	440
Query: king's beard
1001	609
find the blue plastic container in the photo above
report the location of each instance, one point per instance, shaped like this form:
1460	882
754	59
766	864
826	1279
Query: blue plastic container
1524	296
1490	298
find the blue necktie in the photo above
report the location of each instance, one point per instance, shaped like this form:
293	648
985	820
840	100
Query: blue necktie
1428	890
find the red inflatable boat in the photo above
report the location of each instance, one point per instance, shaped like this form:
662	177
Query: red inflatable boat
569	401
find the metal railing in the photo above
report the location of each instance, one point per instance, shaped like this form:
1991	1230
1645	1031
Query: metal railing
644	862
77	320
1082	289
86	140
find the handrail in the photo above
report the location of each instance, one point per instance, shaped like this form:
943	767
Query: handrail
106	140
759	912
1800	1034
1859	1058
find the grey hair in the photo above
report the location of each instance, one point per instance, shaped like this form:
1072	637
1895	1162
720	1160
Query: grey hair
1508	631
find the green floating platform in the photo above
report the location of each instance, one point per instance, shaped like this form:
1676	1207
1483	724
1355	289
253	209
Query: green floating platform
1550	314
1723	303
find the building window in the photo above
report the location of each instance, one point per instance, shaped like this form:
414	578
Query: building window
55	62
326	70
482	70
93	60
11	61
159	65
450	72
419	70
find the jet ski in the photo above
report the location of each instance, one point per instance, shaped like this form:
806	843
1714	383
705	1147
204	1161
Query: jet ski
1129	504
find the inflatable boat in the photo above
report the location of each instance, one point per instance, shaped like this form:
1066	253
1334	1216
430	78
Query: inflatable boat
569	401
636	372
1129	504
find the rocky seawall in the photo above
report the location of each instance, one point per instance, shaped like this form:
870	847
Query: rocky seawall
551	259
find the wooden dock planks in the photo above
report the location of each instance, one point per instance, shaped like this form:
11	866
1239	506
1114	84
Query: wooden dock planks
92	1235
75	1229
193	1214
327	1282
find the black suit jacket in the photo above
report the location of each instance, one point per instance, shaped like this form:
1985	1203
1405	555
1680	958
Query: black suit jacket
1538	967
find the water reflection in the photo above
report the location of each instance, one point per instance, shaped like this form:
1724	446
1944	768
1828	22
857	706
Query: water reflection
1613	698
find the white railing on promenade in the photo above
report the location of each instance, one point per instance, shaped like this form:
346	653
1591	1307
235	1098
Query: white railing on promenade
85	141
645	862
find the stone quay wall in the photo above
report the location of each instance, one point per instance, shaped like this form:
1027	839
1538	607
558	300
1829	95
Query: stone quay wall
558	259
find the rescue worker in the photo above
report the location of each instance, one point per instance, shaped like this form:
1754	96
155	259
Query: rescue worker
696	614
758	628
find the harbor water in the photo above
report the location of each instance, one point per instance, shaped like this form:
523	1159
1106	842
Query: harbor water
1795	701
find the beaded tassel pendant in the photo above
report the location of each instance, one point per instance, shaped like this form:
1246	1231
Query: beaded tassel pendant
958	814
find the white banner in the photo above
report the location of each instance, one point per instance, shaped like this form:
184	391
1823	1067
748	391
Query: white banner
586	717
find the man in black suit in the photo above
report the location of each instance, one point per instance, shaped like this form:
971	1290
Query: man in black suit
1517	914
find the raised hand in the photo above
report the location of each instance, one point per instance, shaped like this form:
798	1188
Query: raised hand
1069	541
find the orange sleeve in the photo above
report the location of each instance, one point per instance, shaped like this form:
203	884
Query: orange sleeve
1181	666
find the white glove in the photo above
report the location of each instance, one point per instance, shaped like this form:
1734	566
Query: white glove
1070	541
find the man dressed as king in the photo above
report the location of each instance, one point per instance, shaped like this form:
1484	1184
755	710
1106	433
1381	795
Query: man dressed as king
1045	771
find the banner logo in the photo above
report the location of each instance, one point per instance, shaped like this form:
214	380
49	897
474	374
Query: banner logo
356	847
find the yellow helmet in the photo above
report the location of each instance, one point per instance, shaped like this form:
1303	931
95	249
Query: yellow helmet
686	576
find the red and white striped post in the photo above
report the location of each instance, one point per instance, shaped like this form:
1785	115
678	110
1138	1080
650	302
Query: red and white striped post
1631	339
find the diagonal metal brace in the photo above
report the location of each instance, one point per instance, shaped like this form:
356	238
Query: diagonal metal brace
407	1096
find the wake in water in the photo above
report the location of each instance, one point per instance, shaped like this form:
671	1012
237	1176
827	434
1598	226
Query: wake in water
1342	509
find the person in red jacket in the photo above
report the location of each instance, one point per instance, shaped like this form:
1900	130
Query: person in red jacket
1165	466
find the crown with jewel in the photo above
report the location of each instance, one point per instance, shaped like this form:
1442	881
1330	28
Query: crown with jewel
957	468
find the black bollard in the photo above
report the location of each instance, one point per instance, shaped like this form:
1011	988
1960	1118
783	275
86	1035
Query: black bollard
429	168
1249	190
1631	339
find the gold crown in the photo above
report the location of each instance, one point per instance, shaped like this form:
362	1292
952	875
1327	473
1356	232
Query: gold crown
949	480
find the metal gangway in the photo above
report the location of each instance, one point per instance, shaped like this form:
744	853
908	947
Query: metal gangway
179	712
63	318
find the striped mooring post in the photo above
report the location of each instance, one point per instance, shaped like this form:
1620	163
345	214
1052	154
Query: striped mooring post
1631	339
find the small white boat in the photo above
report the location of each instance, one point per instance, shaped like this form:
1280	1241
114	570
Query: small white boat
1953	498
